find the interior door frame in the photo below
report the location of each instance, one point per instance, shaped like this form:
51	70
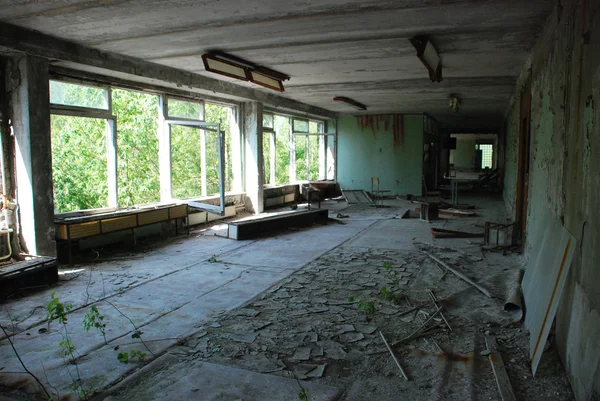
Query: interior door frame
523	164
215	127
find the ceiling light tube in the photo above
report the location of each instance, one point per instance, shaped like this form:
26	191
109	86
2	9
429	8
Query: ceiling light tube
351	102
259	78
429	56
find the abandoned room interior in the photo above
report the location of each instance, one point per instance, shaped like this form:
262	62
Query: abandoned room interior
310	200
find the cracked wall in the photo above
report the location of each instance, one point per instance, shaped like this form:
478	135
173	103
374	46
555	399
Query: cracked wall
564	160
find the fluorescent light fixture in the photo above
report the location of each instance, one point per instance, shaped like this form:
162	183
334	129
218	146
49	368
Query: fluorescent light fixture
429	56
262	79
224	67
234	67
351	102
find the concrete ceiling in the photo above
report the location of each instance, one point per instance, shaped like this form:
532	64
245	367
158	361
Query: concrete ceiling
352	48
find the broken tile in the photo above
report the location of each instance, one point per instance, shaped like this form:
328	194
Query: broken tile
318	309
351	337
367	329
241	337
302	354
317	371
344	328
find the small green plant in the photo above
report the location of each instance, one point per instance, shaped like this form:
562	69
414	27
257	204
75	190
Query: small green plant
368	307
131	356
93	319
58	310
303	394
213	259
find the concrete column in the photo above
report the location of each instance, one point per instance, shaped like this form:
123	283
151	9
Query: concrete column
331	128
33	150
252	115
292	170
272	158
235	122
322	157
164	152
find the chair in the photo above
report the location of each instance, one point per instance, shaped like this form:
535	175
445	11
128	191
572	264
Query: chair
376	192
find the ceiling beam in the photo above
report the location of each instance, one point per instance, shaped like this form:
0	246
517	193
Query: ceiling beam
38	44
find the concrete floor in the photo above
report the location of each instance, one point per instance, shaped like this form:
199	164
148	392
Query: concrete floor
183	291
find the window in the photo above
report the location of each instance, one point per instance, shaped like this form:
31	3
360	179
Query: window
68	94
137	147
83	147
305	153
196	155
79	163
487	155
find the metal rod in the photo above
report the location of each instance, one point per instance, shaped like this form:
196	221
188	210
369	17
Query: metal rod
393	356
435	301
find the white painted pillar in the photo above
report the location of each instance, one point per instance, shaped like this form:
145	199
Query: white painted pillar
236	150
204	185
30	103
253	151
111	161
292	170
272	158
322	157
164	152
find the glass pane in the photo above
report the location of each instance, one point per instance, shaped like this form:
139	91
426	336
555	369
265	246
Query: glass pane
267	158
487	152
300	157
78	95
212	163
300	125
315	127
79	170
184	109
186	168
282	149
313	157
137	147
215	113
268	120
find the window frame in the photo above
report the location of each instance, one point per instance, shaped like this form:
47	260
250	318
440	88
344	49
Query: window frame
164	121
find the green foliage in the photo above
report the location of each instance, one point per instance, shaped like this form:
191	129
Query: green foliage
137	334
213	259
304	394
137	147
368	307
79	164
131	356
66	346
58	310
93	319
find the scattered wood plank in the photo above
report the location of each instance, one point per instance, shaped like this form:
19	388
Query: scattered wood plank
393	356
504	386
442	233
437	304
452	212
460	275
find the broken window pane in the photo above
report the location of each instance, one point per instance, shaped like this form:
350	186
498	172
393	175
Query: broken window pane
184	109
79	163
67	94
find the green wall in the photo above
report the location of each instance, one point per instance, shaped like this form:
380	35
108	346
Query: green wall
463	156
362	155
